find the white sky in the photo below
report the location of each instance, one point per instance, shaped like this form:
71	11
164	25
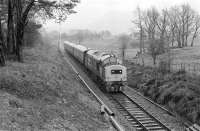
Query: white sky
112	15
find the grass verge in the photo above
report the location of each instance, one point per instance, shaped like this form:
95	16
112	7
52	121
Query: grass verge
43	94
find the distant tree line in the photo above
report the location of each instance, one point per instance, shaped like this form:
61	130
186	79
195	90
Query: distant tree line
79	36
177	26
19	21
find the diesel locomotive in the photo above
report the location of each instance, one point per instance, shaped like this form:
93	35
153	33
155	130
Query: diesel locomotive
106	67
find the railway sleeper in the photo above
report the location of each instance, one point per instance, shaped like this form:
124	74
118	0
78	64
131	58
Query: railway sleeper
150	124
136	125
141	116
147	122
144	119
132	108
134	122
136	111
130	119
155	128
136	114
127	116
121	109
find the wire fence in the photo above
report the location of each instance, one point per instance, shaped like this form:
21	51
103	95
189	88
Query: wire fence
188	67
193	68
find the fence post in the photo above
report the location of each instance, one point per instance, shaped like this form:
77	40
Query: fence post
184	69
181	67
189	68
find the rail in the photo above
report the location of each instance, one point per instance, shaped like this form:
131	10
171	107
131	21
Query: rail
157	105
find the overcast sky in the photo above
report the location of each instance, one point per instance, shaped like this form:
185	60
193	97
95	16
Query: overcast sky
112	15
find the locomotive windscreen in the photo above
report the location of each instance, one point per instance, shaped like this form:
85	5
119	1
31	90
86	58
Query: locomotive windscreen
116	71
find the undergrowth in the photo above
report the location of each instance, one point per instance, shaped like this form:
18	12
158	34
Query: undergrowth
178	91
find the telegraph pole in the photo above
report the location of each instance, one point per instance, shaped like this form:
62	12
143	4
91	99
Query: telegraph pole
59	21
59	41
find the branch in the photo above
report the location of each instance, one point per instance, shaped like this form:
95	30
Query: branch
28	8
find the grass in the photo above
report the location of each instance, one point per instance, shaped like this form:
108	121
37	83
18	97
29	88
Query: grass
39	94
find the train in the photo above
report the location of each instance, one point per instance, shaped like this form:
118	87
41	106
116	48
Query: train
105	67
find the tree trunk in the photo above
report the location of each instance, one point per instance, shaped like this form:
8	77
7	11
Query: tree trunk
186	36
19	41
194	36
10	27
154	60
2	47
186	40
140	40
182	40
179	39
172	42
19	31
2	56
179	42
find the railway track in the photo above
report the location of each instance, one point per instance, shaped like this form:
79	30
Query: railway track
135	114
189	126
136	123
104	107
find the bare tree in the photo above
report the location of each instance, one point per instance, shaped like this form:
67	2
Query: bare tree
162	24
171	32
190	16
154	49
150	20
181	22
138	21
196	28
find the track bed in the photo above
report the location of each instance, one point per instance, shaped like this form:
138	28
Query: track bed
135	114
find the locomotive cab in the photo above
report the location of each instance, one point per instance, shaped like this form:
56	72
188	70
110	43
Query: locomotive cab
115	77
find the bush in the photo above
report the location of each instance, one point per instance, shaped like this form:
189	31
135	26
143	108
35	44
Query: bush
164	67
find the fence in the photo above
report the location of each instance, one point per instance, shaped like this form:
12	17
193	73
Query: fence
193	68
188	67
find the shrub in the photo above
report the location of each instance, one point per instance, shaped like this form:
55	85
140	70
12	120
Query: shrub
163	67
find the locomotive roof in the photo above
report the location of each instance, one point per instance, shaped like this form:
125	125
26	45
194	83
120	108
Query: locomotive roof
100	55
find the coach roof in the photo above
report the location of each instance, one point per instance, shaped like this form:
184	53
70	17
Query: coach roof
81	48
